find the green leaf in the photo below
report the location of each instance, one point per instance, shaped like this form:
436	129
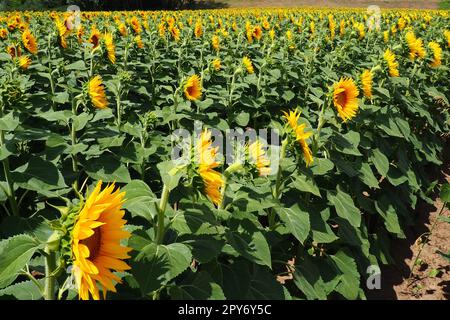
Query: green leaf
15	252
380	161
155	265
348	143
308	279
140	200
250	243
367	176
170	175
39	175
321	166
80	120
321	231
61	97
200	286
108	169
26	290
205	248
345	206
296	220
306	184
242	119
198	220
9	122
445	192
349	282
78	65
385	208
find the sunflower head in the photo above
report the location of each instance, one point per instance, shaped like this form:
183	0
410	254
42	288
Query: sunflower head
96	242
97	93
29	42
94	38
215	42
217	64
193	88
392	64
3	33
257	32
198	29
248	64
14	51
366	81
345	98
258	158
24	62
297	131
110	47
437	54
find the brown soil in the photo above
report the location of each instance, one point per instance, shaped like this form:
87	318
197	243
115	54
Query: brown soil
395	282
417	4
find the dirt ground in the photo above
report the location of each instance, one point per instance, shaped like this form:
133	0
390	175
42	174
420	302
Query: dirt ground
423	286
418	4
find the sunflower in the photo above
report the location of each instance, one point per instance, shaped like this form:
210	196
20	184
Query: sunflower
248	64
212	180
215	42
415	45
97	92
192	88
272	34
3	33
175	33
345	98
110	47
342	28
366	80
437	54
135	25
29	42
122	28
259	158
198	29
389	56
14	51
300	135
331	26
138	41
257	32
447	36
217	64
94	39
266	25
24	62
96	242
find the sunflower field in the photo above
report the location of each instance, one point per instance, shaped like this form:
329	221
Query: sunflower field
93	205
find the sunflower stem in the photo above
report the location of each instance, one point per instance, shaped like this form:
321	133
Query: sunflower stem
73	136
222	192
161	211
7	172
276	192
50	281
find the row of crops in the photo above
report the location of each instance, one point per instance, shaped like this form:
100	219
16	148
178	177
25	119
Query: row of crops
94	206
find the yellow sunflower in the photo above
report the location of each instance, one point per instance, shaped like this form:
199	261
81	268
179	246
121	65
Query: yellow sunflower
345	98
198	29
97	92
29	41
447	36
366	80
257	32
122	28
248	64
212	180
215	42
389	57
110	47
192	88
437	54
24	62
14	51
138	41
96	242
3	33
259	158
217	64
94	38
135	25
300	135
415	45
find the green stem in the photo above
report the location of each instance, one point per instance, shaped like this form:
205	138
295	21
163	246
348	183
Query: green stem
50	281
276	192
7	172
73	136
161	211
